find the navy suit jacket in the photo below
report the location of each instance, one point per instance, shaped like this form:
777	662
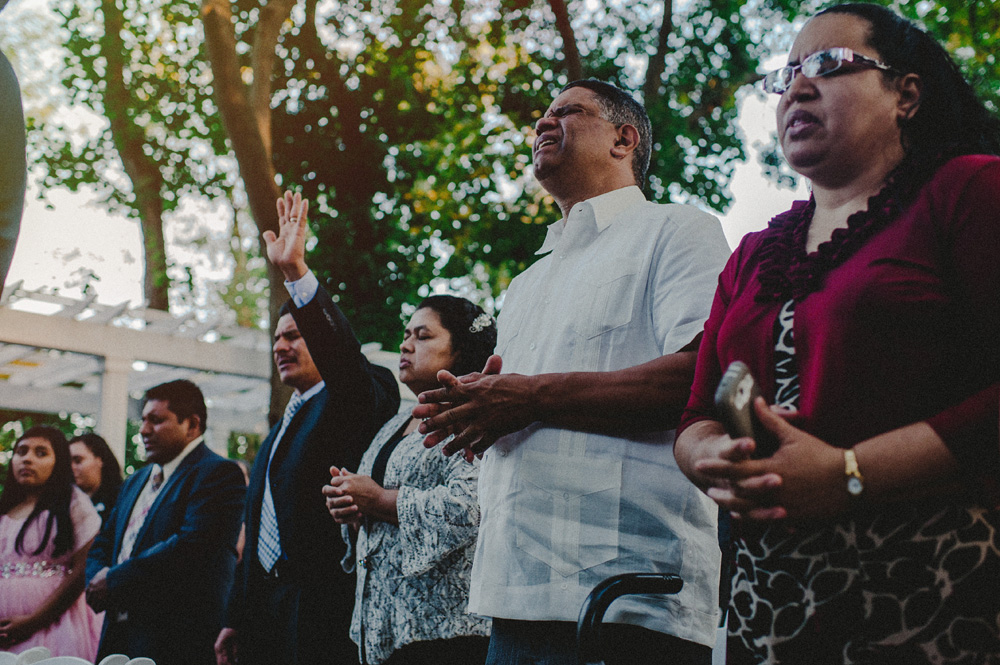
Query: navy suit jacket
174	585
333	428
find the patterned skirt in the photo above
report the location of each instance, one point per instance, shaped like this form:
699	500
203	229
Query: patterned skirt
917	584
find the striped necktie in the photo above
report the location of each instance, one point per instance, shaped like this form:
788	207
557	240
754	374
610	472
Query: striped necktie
269	539
139	512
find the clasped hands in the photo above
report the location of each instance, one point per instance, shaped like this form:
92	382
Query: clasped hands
477	409
351	497
97	591
802	480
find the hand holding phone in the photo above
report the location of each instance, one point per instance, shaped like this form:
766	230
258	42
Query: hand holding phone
734	400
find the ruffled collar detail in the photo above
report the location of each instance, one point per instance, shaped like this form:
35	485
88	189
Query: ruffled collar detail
788	272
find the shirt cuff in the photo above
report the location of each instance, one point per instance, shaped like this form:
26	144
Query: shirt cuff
303	289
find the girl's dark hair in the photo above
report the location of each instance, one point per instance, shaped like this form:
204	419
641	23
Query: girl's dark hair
951	120
473	331
111	472
54	496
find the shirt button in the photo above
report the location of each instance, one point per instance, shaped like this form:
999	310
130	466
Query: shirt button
503	453
532	347
564	585
565	495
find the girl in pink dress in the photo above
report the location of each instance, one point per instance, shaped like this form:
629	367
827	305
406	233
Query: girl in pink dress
46	526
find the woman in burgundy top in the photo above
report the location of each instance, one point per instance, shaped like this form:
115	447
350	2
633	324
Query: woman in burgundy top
871	315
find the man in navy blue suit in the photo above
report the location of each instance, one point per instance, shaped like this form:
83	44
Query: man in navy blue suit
292	601
164	560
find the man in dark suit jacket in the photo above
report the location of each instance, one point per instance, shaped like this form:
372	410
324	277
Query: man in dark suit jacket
292	601
164	560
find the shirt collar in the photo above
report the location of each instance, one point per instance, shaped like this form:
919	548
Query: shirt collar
307	395
603	210
172	465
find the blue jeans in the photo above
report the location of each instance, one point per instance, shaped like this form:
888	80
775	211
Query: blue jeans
554	643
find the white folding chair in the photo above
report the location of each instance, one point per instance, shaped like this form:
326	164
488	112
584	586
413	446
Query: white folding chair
8	658
62	660
33	655
114	659
142	660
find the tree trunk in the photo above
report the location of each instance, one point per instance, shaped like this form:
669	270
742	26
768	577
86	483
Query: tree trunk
246	118
139	167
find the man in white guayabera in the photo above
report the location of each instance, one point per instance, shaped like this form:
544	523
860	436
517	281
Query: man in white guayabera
598	342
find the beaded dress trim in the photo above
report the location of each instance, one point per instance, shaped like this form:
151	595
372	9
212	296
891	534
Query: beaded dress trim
34	569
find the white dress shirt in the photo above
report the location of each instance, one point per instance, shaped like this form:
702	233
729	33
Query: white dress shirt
625	282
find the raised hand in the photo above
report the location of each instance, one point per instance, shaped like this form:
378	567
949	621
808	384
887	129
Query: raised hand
287	249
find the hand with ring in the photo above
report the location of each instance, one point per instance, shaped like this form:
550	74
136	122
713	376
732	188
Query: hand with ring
287	249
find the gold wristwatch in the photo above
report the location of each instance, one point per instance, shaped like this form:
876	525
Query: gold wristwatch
855	481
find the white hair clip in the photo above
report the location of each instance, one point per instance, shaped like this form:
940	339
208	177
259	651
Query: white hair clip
480	323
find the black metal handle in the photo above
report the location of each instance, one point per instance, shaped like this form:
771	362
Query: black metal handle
588	627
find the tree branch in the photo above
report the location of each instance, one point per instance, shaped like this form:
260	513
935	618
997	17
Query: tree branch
571	54
141	169
658	61
262	58
253	152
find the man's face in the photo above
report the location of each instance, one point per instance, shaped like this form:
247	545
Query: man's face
164	436
295	366
573	138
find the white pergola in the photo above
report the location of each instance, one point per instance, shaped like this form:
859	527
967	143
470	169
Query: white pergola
61	354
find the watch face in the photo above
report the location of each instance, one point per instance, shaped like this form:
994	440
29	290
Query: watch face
854	486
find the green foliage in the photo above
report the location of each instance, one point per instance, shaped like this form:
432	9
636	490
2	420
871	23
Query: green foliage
243	446
167	106
970	30
149	141
409	124
134	450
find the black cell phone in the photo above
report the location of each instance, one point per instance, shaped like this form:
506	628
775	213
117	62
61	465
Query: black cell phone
734	405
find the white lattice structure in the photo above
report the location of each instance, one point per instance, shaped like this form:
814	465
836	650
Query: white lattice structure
60	354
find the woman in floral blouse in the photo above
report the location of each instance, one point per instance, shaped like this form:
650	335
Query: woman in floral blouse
415	512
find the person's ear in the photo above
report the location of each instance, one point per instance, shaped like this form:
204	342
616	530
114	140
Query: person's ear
910	89
194	423
627	141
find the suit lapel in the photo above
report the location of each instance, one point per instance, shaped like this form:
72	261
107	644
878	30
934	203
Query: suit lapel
168	489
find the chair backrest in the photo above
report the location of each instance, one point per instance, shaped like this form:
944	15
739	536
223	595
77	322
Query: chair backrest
33	655
62	660
142	660
8	658
114	659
